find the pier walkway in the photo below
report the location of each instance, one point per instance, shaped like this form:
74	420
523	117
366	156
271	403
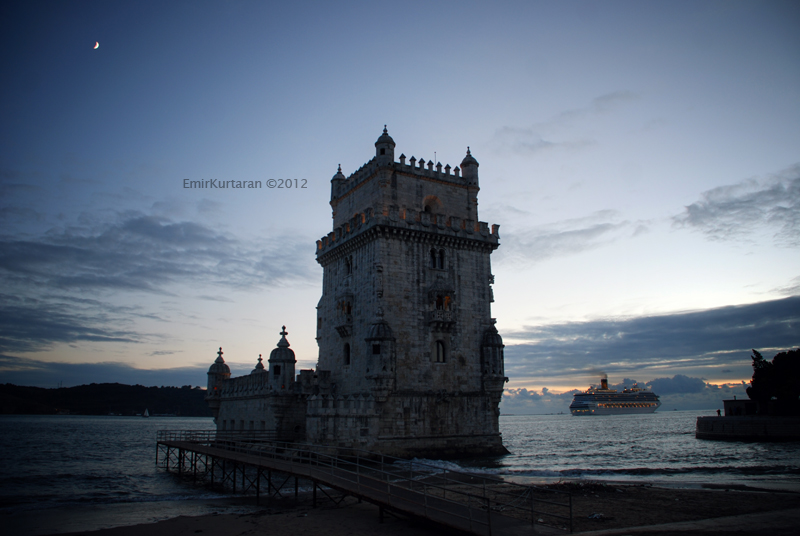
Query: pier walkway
472	503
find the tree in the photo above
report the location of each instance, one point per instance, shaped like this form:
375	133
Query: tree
778	380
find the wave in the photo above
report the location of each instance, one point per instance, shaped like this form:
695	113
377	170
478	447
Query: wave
708	470
29	503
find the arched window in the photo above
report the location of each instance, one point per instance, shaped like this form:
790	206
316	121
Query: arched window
428	209
440	352
376	348
347	354
441	259
439	303
433	258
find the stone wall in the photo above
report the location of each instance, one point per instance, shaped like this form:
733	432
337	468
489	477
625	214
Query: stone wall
749	428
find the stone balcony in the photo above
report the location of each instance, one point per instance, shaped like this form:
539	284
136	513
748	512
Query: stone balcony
345	329
441	320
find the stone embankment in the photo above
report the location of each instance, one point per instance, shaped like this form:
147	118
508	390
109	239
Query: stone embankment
749	428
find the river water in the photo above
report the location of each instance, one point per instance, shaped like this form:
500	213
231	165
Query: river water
71	473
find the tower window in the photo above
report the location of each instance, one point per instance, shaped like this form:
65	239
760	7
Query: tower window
433	258
383	151
441	259
440	352
347	354
376	349
277	370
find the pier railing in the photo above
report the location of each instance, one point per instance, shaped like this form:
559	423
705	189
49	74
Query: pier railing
482	504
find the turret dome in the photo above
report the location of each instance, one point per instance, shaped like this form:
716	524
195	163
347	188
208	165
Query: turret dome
259	367
282	352
469	160
492	338
219	366
385	138
339	175
379	331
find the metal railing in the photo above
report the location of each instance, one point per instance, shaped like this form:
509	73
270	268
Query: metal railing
458	498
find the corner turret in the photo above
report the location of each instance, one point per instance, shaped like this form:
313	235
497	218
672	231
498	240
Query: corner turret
281	364
469	169
492	361
217	373
384	149
336	183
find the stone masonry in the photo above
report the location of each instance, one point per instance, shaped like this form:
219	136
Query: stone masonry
410	362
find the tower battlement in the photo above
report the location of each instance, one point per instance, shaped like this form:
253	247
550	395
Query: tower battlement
440	227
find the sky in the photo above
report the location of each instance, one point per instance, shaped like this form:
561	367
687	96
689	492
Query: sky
641	158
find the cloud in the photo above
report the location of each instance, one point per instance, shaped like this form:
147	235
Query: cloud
541	137
677	384
48	276
566	237
528	141
697	342
30	324
679	392
147	253
792	289
22	371
734	211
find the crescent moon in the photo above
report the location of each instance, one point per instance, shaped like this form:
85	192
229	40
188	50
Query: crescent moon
96	45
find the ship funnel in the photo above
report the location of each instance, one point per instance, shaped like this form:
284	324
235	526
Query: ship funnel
604	383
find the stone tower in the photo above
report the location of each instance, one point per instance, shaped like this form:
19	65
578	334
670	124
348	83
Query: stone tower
410	362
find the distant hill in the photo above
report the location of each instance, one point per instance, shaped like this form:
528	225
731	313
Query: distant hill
103	399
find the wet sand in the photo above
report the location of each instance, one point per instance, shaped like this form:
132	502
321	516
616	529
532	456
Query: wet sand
618	506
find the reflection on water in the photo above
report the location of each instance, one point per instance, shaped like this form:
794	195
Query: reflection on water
71	465
658	448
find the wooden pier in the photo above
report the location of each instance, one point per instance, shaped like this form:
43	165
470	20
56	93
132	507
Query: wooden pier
255	462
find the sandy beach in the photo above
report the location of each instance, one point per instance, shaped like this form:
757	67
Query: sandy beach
732	511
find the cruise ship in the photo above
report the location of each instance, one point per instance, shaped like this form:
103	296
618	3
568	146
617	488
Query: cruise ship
605	401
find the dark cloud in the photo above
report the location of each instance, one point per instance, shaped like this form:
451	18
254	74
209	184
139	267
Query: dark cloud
19	215
49	276
566	237
30	324
677	384
22	371
734	211
146	253
691	341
